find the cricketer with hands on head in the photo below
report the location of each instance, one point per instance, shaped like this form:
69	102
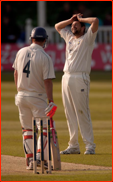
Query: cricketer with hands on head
76	80
33	76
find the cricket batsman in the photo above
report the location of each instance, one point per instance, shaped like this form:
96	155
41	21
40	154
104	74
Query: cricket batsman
33	76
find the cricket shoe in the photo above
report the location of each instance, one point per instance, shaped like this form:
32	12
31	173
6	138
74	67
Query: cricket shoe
89	151
45	164
30	167
70	151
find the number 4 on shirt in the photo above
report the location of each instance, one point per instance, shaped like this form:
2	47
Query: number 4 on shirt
27	69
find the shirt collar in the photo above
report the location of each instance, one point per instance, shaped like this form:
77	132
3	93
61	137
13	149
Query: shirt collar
36	46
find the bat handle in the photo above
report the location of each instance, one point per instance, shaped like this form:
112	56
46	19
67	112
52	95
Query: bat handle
51	123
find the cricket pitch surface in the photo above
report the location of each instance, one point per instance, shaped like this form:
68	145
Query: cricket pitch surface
16	165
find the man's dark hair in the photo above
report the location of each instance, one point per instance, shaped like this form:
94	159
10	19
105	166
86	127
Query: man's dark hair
83	25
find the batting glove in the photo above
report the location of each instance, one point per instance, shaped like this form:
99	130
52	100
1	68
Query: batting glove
50	110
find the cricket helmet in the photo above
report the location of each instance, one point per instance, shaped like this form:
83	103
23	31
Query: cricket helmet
38	33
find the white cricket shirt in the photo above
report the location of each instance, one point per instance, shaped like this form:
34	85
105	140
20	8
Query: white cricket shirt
34	66
78	51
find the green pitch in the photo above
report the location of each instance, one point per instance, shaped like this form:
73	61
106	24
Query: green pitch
101	113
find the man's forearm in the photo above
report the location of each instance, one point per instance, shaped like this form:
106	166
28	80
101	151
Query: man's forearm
49	89
88	20
62	24
92	20
15	77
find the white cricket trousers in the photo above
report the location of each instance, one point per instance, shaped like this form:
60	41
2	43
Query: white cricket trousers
75	95
29	105
32	105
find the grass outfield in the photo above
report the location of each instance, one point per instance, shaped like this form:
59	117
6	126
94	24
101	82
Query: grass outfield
66	176
101	113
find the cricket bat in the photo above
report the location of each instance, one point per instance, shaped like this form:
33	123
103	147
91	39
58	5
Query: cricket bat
55	153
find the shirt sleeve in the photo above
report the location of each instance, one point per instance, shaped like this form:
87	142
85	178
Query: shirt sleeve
65	34
15	62
48	69
90	36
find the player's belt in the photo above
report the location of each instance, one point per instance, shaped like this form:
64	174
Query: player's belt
35	94
83	75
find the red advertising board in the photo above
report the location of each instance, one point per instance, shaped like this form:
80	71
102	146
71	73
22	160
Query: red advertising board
101	57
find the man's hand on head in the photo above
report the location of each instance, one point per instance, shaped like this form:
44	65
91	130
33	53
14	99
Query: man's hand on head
79	16
76	17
